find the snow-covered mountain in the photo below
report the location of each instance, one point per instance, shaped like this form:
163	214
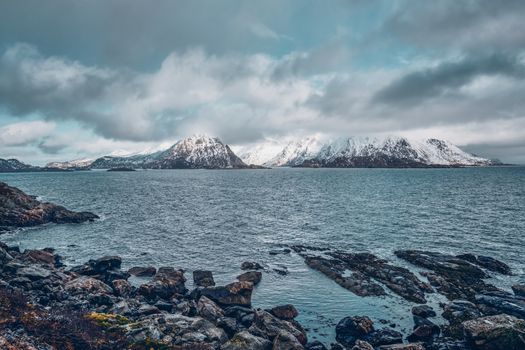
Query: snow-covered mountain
81	163
198	151
195	152
389	151
9	165
201	151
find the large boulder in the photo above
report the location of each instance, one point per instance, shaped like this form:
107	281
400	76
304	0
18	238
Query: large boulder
498	332
250	276
424	311
352	328
246	341
236	293
203	278
209	310
87	285
286	341
140	271
285	312
270	326
166	283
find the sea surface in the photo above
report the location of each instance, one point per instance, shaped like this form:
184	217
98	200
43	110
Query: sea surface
216	219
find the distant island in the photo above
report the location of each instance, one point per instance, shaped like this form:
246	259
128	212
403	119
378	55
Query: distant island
204	152
121	169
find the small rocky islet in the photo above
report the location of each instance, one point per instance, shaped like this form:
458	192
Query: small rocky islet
45	304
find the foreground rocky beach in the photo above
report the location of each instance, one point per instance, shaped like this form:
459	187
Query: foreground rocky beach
45	304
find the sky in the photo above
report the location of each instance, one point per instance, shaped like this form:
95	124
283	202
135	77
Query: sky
89	78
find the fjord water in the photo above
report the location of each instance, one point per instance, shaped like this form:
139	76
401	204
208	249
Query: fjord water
216	219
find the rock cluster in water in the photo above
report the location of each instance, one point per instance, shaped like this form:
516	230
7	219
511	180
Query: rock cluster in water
18	209
480	315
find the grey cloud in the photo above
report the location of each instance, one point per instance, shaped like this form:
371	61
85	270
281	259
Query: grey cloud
476	25
446	78
51	148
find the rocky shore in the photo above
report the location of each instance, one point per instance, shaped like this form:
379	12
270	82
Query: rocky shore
18	209
46	305
479	315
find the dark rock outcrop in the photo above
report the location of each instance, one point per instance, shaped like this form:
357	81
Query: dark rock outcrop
203	278
18	209
250	276
498	332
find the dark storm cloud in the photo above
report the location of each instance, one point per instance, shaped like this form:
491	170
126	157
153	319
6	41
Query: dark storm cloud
30	82
476	25
446	78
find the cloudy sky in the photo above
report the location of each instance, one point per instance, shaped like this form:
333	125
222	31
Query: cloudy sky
86	78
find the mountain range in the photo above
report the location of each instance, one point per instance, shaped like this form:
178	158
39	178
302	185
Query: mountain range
204	152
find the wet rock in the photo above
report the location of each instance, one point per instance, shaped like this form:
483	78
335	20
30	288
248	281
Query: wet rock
207	309
352	328
398	279
283	271
315	345
246	341
362	345
146	309
357	283
286	341
166	283
163	305
499	332
250	276
424	333
87	285
420	321
40	256
33	272
251	265
203	278
106	263
410	346
142	271
285	312
270	326
18	209
121	288
4	256
454	277
487	262
447	343
280	251
385	336
230	325
236	293
456	312
519	290
503	303
424	311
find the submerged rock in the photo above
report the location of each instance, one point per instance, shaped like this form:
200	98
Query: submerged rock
519	290
18	209
251	265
